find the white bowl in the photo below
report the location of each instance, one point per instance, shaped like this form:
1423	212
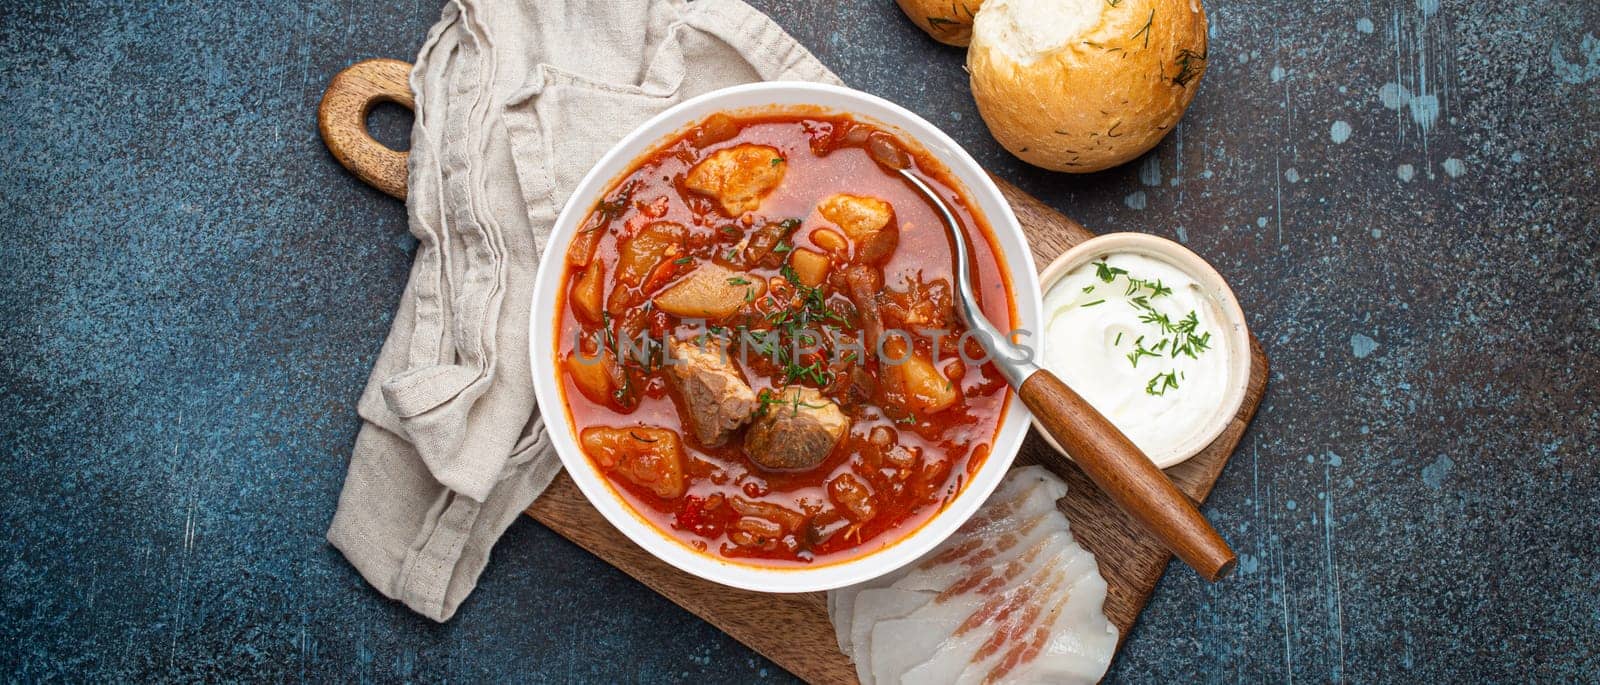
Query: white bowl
545	322
1235	337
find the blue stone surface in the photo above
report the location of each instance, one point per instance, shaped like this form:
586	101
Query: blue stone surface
1403	194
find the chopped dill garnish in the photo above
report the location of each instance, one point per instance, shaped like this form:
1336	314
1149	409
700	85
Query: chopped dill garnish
1161	383
813	302
1151	316
1172	339
1186	340
798	321
1156	287
614	206
1140	351
1106	272
768	398
814	372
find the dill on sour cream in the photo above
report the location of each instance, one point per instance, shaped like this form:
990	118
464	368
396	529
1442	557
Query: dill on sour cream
1137	337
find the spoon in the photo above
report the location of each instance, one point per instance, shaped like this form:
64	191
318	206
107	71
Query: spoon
1109	458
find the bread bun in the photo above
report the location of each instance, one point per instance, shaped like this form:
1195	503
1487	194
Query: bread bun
948	21
1085	85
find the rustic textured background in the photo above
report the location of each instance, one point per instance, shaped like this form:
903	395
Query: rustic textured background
1402	193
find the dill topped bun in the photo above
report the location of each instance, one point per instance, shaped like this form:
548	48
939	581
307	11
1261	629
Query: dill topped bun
948	21
1085	85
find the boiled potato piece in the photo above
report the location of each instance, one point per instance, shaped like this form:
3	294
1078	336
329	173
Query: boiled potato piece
914	385
586	291
642	253
651	458
739	177
810	267
711	291
926	390
591	376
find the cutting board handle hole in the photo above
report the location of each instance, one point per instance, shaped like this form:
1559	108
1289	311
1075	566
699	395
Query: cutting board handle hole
371	95
389	123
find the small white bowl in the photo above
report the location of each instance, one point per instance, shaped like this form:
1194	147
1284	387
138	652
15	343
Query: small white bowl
808	98
1236	335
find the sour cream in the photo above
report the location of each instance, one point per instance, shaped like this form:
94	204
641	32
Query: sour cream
1114	342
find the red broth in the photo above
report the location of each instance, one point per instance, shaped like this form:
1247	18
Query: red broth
894	466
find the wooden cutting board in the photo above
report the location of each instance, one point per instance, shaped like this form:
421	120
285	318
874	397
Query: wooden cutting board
793	630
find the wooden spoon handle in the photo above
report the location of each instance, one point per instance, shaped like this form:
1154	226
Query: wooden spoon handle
342	120
1115	464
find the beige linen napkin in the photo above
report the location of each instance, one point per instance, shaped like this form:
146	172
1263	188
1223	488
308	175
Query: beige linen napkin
515	101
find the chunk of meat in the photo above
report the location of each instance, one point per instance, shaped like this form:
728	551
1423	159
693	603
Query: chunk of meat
797	431
716	400
711	291
739	177
651	458
866	221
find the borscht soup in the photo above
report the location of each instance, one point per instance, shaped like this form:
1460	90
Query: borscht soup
757	342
